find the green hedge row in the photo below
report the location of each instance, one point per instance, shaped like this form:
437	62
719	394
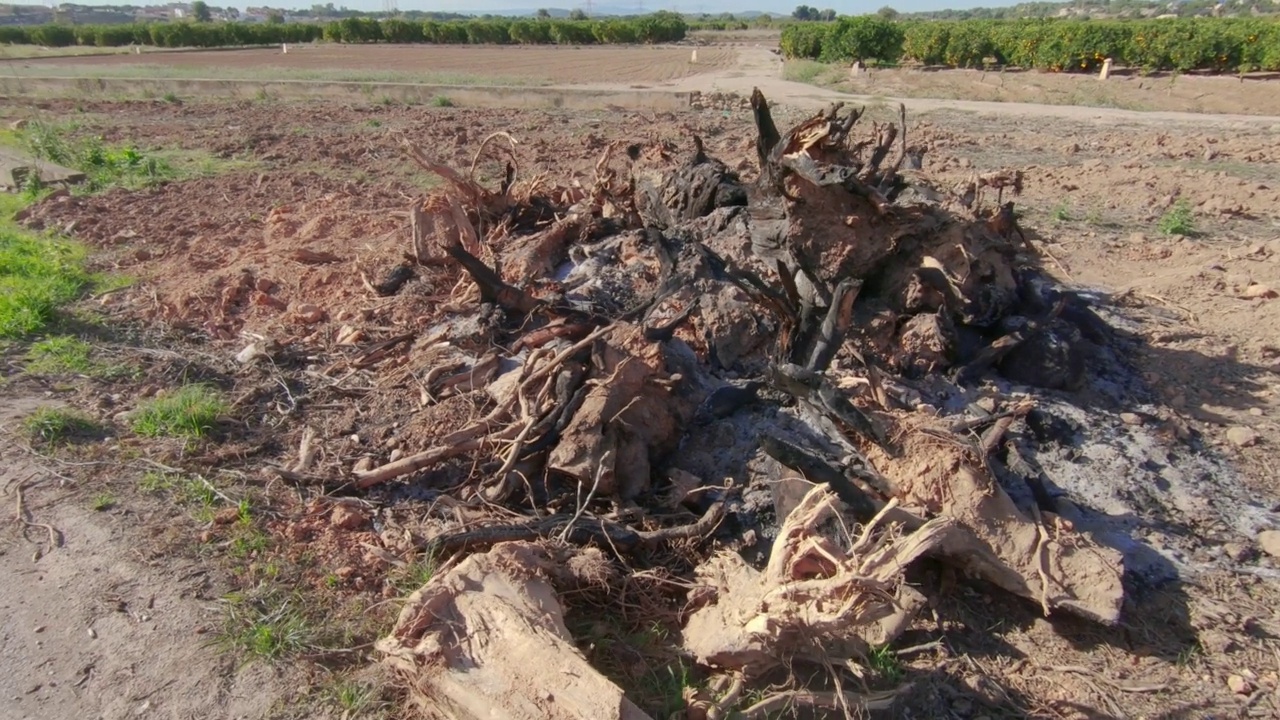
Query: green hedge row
1213	44
655	28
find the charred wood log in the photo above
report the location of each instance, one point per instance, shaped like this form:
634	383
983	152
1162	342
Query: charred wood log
820	470
1005	344
492	288
835	324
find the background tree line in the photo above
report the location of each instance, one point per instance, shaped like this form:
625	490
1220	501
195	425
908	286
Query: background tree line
1058	45
655	28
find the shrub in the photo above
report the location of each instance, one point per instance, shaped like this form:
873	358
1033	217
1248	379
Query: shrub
1055	45
926	42
866	37
805	40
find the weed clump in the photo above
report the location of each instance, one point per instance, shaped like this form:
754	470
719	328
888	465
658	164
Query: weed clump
190	412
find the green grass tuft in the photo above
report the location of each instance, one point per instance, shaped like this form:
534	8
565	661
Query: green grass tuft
60	355
53	425
191	412
102	502
442	101
249	542
1179	220
356	699
885	663
38	275
265	628
416	574
65	355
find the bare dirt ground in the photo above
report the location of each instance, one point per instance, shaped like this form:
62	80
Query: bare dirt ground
216	258
1255	94
534	64
99	621
727	62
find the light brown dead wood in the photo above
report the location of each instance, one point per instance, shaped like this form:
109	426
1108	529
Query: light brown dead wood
821	603
487	640
1036	558
814	601
470	438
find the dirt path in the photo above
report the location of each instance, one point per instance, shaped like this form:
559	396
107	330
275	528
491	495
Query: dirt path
758	67
726	67
95	628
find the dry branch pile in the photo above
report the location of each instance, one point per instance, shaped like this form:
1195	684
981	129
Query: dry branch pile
656	352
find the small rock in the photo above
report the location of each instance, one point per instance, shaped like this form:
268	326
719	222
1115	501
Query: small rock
93	634
264	285
1137	238
251	352
396	454
1241	436
1269	541
1257	291
1129	418
348	335
346	517
1238	552
1210	154
1218	643
308	314
19	124
142	255
1239	685
364	464
1256	412
262	299
39	628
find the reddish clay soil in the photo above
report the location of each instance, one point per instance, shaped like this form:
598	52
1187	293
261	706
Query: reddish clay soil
224	259
533	64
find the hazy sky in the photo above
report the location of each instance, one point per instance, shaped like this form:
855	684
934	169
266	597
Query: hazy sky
691	6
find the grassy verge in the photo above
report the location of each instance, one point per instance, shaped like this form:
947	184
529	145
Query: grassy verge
38	274
813	72
28	52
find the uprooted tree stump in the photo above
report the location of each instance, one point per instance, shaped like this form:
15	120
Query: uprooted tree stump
668	339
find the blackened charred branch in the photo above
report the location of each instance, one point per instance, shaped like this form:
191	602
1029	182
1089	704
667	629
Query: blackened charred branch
835	325
821	470
1005	344
492	287
823	175
767	136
